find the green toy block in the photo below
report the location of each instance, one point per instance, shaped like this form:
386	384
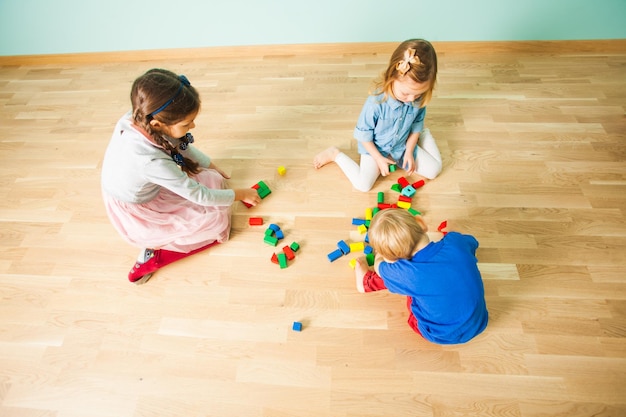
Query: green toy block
370	259
414	212
294	246
392	168
282	260
263	192
270	240
396	187
381	197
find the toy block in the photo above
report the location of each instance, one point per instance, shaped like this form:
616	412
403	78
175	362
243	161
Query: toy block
418	184
357	222
374	211
368	214
382	206
262	189
392	168
404	198
367	238
404	205
255	221
368	249
274	227
294	246
414	212
343	246
357	246
269	232
367	223
362	229
281	170
442	226
403	182
274	259
396	187
282	260
381	197
370	259
334	255
280	235
264	192
352	263
297	326
270	240
408	191
290	255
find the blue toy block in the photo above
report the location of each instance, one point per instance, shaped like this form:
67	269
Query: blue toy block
279	234
345	248
368	250
274	227
357	222
334	255
408	191
297	326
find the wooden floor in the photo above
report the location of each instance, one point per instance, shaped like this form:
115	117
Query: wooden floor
533	138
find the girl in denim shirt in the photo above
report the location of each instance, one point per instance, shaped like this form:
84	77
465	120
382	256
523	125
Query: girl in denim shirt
390	129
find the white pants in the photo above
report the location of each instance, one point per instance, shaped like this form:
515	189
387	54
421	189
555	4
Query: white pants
363	176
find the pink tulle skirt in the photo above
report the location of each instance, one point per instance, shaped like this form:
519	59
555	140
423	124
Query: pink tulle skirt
171	222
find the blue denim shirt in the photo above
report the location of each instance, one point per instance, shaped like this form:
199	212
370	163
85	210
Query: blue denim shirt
388	124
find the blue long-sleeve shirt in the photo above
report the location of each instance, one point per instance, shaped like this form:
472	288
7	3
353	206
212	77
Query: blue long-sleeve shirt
443	280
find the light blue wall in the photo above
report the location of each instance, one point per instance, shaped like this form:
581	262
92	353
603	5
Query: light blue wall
30	27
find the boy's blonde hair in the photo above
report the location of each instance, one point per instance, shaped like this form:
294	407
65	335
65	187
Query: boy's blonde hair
394	234
422	68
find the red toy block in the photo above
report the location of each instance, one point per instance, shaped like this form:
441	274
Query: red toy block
418	184
255	221
442	226
274	258
383	206
404	198
289	253
403	181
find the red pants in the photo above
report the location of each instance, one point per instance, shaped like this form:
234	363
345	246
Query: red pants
373	282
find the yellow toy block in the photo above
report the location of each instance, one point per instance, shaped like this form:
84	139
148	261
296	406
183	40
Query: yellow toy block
362	229
404	204
357	246
352	263
281	170
368	214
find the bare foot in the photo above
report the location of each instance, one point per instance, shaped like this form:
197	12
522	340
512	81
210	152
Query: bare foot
324	157
360	269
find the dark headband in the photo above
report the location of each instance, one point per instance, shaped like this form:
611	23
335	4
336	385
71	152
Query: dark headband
183	82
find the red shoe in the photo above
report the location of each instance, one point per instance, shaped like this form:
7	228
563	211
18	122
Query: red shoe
140	273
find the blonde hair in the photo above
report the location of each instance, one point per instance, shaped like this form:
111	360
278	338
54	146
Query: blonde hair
422	70
394	234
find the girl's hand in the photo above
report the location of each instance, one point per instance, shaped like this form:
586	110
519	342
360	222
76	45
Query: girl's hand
247	195
383	165
409	164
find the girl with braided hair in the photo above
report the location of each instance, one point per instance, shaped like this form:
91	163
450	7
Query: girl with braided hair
161	193
390	129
